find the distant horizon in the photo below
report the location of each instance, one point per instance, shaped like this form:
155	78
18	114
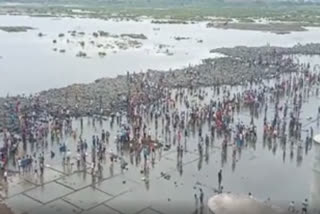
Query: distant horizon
163	3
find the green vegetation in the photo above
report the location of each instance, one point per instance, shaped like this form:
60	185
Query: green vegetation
15	29
278	28
186	10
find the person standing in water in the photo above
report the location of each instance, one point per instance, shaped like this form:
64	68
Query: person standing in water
305	207
291	207
220	178
201	197
196	201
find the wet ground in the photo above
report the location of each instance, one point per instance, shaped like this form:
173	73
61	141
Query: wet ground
266	170
41	68
4	209
240	204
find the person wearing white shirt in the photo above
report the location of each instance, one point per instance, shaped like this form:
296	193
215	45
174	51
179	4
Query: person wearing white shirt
19	164
68	155
5	176
305	206
78	159
291	207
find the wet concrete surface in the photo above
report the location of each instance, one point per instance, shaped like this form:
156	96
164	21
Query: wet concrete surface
101	209
117	185
165	195
49	192
78	180
268	171
17	186
55	207
87	198
50	175
4	209
22	203
232	204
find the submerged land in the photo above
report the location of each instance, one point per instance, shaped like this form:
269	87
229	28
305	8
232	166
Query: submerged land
15	29
276	17
205	108
109	95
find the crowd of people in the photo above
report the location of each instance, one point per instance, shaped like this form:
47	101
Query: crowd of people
160	119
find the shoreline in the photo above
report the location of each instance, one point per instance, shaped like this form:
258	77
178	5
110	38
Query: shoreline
280	28
277	28
268	20
249	52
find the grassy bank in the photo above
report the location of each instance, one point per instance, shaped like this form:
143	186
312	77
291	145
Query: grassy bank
309	14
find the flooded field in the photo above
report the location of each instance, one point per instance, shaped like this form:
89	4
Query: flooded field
39	63
267	169
162	155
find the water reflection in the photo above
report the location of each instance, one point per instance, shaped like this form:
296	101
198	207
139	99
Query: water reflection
234	135
57	64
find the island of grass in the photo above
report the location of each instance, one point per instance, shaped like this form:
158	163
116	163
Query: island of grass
15	29
278	28
275	17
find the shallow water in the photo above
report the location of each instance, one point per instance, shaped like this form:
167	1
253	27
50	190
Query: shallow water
29	64
265	171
